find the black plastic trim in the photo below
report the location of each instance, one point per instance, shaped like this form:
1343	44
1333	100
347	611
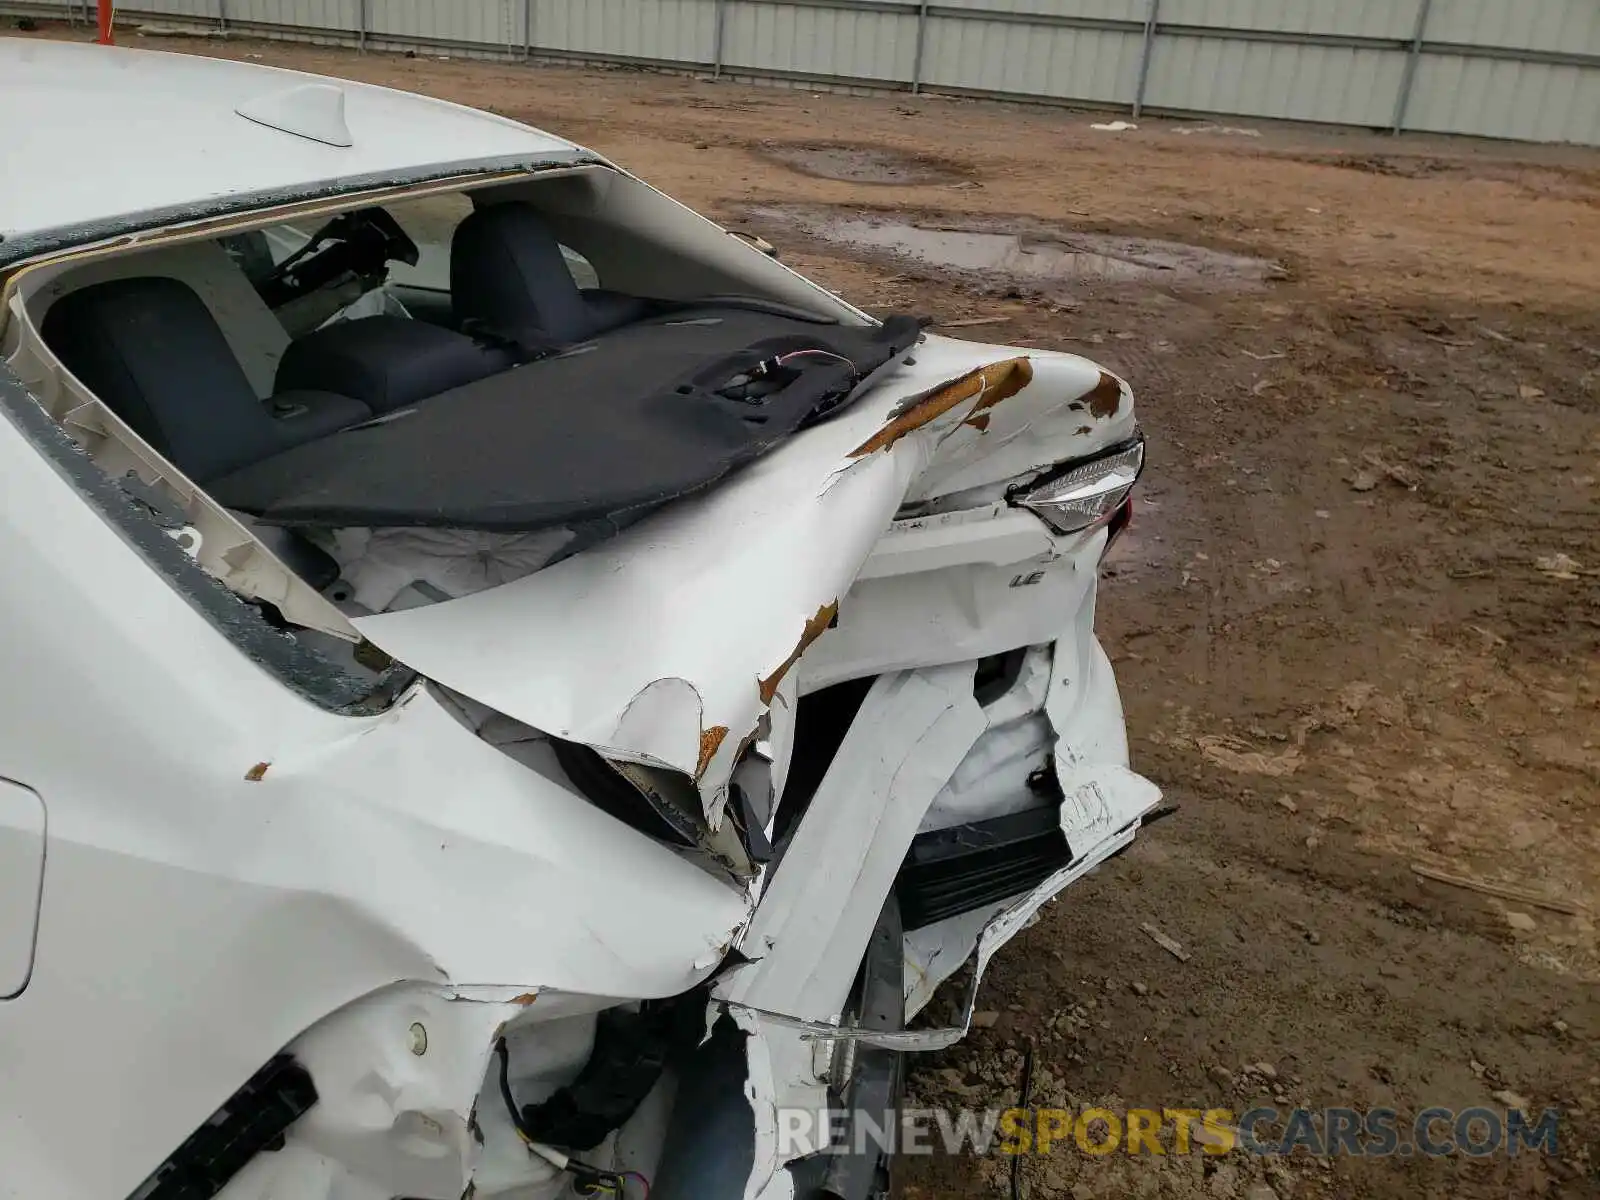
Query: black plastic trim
254	1119
948	872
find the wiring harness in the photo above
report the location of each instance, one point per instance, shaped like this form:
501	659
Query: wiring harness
587	1180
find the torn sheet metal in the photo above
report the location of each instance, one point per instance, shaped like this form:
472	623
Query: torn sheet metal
820	905
1066	401
1085	717
713	600
992	533
1100	816
1101	813
803	939
986	386
766	1092
903	621
936	952
992	780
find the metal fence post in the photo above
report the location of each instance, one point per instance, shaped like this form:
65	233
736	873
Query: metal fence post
716	39
1409	77
527	29
361	34
1150	20
922	42
222	15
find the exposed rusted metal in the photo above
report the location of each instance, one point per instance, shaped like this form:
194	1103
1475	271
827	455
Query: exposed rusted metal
768	686
1106	397
979	421
257	773
710	743
990	384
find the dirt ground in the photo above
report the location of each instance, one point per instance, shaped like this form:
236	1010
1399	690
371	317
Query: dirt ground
1356	622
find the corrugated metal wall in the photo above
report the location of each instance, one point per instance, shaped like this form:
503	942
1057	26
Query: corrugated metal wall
1526	69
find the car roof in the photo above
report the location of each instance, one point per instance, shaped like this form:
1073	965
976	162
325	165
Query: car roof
98	133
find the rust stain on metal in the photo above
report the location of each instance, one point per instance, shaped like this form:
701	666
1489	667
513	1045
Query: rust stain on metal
1105	397
257	773
1083	429
991	384
525	999
1014	375
710	742
814	629
979	421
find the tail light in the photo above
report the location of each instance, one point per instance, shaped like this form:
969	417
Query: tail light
1085	495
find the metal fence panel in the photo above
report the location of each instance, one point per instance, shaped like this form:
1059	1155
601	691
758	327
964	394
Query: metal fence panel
1555	26
198	10
1502	98
1333	84
1060	62
487	22
338	15
1084	10
816	41
678	31
1388	19
1494	68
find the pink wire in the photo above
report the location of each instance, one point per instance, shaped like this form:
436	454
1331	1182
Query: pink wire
783	358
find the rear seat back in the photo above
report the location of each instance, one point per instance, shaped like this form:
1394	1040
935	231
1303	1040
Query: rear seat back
254	333
386	362
152	352
509	277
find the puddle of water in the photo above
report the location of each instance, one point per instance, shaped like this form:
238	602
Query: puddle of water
864	164
1036	256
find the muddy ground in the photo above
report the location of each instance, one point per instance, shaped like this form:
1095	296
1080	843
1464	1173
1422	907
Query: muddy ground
1357	621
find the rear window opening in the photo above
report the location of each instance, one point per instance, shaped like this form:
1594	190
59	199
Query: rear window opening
412	399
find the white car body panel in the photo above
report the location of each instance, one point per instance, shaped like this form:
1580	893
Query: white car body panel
22	831
112	102
811	927
202	869
226	920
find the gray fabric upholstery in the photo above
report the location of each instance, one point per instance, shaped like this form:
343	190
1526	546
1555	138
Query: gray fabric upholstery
301	416
151	351
386	362
509	277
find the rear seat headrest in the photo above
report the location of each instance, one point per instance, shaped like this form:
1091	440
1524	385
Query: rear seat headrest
508	273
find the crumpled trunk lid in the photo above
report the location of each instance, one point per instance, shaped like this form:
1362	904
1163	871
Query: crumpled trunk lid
665	645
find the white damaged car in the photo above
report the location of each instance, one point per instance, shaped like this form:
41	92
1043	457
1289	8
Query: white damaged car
511	691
